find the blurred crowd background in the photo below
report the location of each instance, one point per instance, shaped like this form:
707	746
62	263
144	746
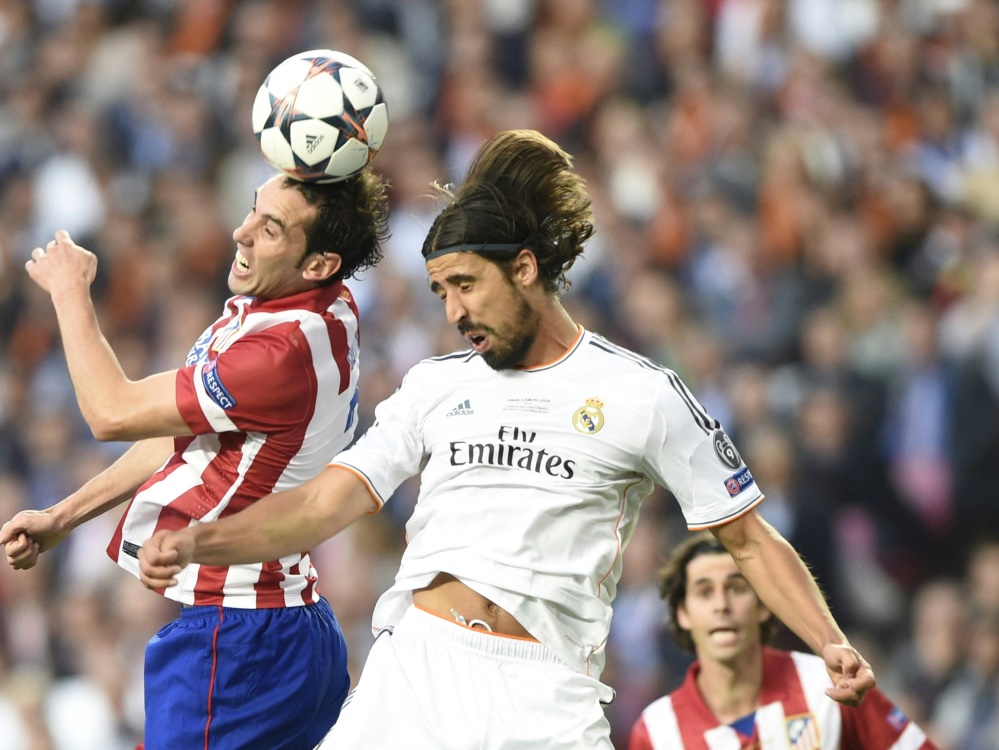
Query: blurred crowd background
798	211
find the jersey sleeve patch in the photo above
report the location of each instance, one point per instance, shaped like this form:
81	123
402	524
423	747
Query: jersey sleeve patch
739	481
897	718
216	391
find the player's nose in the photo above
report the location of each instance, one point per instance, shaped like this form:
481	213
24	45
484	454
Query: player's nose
242	234
454	310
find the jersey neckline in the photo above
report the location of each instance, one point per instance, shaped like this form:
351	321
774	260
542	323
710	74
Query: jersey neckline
580	331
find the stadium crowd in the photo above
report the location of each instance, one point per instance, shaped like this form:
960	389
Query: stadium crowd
798	210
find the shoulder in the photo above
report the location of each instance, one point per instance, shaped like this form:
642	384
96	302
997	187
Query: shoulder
811	670
433	368
463	357
802	661
658	726
782	669
601	355
283	342
606	350
660	706
660	715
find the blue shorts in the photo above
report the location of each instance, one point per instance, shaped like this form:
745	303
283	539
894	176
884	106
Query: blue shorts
220	678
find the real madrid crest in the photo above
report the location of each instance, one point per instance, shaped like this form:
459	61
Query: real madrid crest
589	419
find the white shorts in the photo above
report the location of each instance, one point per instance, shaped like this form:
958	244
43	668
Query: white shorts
432	684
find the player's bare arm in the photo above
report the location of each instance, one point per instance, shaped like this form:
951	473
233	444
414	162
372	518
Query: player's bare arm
278	525
31	532
785	585
114	407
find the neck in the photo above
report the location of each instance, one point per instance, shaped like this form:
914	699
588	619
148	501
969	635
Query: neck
556	333
732	691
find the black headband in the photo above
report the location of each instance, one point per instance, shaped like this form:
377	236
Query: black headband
483	247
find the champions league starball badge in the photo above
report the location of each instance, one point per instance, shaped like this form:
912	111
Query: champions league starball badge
725	450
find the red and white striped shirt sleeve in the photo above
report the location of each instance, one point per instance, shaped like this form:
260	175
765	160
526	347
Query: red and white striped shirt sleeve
265	382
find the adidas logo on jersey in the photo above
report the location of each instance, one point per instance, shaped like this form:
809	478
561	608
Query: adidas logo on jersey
461	410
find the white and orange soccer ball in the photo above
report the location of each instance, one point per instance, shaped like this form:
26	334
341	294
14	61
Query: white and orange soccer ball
320	116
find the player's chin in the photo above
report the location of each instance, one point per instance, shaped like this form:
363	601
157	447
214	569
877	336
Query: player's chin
238	284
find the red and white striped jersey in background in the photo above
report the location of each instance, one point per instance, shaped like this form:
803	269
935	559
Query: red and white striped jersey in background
270	391
794	714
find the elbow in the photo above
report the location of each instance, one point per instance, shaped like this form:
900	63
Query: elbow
105	428
744	536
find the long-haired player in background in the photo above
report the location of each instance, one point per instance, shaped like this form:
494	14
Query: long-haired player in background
741	694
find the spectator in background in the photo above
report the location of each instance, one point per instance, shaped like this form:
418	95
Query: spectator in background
966	713
917	426
982	571
921	667
741	693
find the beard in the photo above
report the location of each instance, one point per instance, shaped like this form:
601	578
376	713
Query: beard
509	352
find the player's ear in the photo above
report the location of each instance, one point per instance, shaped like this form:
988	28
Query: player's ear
764	614
525	267
320	266
681	617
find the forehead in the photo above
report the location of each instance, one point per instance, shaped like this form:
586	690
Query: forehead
712	566
466	265
284	203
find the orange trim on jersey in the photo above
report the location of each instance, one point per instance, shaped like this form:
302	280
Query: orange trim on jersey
365	482
617	534
469	627
563	355
600	647
702	527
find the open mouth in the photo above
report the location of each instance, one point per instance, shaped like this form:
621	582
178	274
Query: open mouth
241	263
477	340
723	632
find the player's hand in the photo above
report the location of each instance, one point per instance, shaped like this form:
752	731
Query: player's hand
163	556
28	534
62	264
852	676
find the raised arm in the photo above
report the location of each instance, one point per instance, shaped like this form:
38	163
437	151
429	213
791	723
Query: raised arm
280	524
783	583
114	407
32	532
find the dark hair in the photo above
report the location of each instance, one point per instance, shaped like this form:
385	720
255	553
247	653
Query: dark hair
351	220
672	579
519	189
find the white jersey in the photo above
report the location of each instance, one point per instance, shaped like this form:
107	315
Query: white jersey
532	480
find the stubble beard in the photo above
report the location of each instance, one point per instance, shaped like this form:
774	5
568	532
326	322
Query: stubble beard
513	352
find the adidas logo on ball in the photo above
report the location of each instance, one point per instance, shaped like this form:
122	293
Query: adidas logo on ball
319	116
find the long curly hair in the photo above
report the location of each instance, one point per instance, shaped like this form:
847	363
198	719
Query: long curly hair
520	189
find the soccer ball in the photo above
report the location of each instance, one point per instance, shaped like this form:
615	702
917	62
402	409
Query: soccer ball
319	116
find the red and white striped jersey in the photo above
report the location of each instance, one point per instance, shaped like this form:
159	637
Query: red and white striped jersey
794	714
270	391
